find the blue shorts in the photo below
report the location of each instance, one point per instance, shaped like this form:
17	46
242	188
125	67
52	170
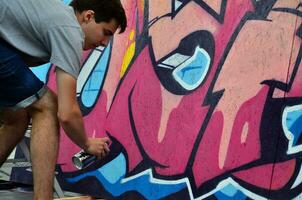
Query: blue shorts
19	87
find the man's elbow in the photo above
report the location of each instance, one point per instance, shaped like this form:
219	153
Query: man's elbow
66	117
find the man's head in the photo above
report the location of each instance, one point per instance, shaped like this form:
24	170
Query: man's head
99	20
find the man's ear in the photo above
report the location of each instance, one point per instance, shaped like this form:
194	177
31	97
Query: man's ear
88	16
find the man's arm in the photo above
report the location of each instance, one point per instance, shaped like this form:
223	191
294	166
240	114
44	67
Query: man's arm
70	116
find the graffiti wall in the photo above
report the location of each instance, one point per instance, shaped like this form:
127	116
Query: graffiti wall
202	100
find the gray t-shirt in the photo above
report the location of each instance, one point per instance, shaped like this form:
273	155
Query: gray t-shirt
44	31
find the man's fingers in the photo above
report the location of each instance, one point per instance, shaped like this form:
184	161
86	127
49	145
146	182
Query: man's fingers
101	147
106	148
100	155
106	139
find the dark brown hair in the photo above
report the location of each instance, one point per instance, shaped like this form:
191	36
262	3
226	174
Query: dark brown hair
104	10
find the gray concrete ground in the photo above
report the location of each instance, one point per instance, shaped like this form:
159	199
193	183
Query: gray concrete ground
21	193
15	194
8	192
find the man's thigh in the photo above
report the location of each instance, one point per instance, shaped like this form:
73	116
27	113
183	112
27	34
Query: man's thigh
19	86
9	116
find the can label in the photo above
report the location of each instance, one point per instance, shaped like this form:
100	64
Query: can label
82	159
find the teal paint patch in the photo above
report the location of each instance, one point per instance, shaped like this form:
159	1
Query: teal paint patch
114	170
41	71
193	71
94	84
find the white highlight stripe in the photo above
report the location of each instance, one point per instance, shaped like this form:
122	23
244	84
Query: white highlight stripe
87	68
176	59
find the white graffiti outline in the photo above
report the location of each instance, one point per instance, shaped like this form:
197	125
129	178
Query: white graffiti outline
219	187
291	148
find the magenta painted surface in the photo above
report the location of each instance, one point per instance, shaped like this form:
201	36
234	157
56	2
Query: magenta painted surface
231	125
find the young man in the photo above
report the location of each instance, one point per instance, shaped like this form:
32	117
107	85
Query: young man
34	32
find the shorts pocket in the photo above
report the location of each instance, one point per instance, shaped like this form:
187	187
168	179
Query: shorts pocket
8	66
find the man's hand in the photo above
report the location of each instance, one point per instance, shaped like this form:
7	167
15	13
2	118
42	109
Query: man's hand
98	147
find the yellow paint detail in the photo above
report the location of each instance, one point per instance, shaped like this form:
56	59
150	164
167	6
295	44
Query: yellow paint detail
142	5
129	54
131	35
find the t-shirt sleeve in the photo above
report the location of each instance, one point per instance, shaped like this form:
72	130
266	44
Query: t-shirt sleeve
66	48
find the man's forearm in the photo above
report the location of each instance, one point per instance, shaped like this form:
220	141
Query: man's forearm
73	125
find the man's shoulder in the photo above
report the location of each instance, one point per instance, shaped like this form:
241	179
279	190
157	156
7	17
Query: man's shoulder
58	14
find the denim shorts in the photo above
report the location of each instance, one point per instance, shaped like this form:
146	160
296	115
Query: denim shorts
19	87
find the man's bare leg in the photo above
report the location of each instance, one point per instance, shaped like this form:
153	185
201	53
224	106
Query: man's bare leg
12	129
44	144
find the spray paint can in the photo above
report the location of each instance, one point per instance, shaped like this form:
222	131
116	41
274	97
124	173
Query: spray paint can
82	159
